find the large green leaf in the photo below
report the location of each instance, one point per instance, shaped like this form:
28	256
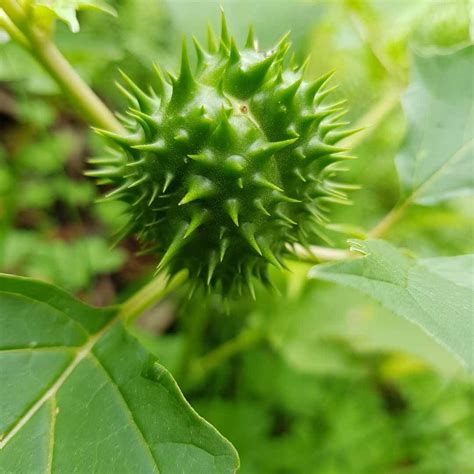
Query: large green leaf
80	394
436	294
435	162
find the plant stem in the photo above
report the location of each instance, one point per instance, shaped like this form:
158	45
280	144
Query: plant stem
194	328
213	359
93	110
13	31
150	294
372	119
389	220
318	254
13	10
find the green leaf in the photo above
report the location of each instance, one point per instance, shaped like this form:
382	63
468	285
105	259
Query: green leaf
65	10
48	259
435	162
327	320
446	26
428	292
303	330
79	392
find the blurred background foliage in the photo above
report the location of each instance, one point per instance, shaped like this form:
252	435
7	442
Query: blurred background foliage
312	378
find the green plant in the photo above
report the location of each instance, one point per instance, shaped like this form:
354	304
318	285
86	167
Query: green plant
215	147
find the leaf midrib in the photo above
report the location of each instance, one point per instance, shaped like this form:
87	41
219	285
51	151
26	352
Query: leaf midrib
81	352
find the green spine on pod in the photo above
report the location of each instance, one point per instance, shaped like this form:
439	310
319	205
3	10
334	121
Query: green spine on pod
227	162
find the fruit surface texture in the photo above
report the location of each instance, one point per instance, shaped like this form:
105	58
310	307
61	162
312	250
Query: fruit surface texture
227	163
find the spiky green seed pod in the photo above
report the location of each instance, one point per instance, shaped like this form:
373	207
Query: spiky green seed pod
226	164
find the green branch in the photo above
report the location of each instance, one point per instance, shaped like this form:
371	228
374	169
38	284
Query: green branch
21	29
318	254
389	220
14	33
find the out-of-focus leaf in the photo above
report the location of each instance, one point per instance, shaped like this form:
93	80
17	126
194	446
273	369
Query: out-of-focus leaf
111	214
335	423
6	180
52	260
459	270
304	332
49	153
73	193
18	66
246	422
371	329
415	290
435	162
36	112
88	256
327	320
65	10
79	391
35	194
445	26
288	15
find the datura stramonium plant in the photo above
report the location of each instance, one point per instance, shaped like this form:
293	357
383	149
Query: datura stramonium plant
229	163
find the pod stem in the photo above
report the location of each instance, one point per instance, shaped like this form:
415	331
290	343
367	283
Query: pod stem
16	21
318	254
248	338
150	294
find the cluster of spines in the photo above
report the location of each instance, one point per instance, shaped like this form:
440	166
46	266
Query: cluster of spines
302	145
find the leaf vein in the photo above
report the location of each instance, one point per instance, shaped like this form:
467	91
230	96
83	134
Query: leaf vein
52	431
129	411
57	384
